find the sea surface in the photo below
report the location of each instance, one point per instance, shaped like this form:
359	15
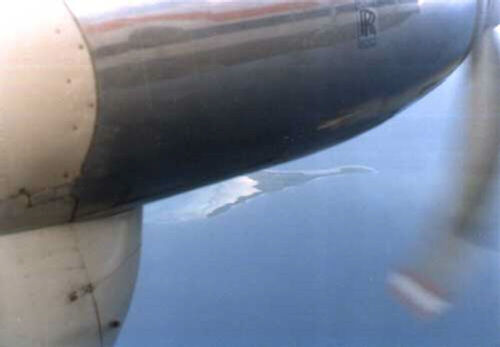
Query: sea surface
307	265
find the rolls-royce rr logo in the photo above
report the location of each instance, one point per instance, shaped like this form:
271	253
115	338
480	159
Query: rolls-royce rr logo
367	26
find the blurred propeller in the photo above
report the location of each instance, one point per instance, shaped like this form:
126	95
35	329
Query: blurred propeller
483	122
439	268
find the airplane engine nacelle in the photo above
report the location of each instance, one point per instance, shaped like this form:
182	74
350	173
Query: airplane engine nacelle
107	105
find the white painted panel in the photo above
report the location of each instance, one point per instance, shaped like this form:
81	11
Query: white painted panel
68	285
47	97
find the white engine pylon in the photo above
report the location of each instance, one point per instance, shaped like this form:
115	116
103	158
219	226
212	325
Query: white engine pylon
69	285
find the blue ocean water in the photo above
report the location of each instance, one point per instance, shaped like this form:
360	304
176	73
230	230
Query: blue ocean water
307	266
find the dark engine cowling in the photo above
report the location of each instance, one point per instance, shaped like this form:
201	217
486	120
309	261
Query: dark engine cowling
188	93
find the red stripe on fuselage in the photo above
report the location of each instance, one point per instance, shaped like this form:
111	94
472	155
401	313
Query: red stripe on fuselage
205	15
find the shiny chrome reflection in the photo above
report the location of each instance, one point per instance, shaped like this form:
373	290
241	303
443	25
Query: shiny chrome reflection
199	91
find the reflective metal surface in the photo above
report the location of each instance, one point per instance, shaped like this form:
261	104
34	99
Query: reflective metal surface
197	91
